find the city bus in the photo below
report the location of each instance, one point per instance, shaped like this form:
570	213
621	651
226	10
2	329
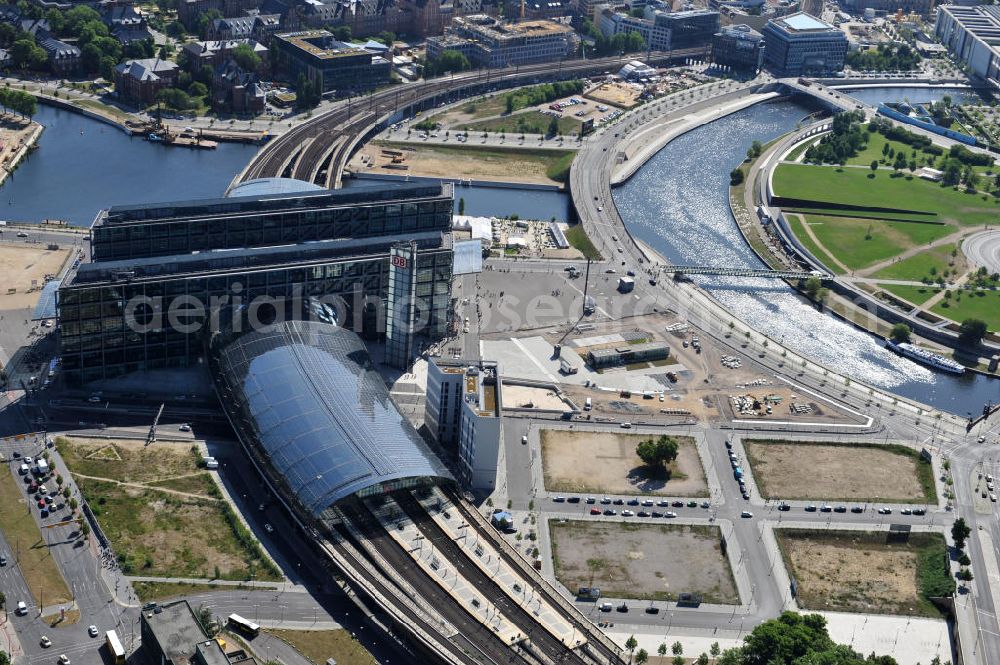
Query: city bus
115	648
245	626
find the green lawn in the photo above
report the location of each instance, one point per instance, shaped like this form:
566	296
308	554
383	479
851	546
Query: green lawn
797	227
852	186
983	305
528	122
859	243
578	238
919	266
917	295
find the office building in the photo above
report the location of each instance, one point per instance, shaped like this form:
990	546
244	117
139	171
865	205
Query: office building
800	44
740	48
489	42
922	7
172	635
334	67
160	272
663	30
972	35
463	413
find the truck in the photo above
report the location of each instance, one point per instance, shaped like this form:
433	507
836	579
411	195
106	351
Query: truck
42	469
625	284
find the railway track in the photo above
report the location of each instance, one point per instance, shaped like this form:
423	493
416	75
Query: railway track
343	124
492	649
442	542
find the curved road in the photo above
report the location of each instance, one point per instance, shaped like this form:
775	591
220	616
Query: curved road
983	249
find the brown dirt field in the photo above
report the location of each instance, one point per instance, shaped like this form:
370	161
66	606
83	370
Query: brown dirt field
790	471
844	576
21	263
491	165
615	94
605	462
647	562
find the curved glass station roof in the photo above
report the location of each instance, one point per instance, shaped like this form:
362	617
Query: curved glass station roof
305	395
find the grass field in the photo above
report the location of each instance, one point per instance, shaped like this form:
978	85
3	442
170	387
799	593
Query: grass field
798	227
862	242
25	540
158	532
526	122
578	238
984	305
852	186
917	295
919	266
840	471
320	645
642	561
559	169
856	571
147	591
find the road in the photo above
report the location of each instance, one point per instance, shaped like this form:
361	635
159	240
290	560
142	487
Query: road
590	176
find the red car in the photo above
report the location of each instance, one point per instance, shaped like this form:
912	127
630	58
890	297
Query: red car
595	511
41	503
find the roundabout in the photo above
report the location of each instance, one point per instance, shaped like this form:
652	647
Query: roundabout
983	249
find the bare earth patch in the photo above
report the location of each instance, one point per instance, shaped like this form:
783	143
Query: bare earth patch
22	264
645	562
606	462
848	571
815	471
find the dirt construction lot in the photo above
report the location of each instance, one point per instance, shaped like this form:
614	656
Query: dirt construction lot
644	562
845	571
803	470
20	264
606	463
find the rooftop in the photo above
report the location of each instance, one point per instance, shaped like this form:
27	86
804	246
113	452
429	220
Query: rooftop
176	630
802	22
321	44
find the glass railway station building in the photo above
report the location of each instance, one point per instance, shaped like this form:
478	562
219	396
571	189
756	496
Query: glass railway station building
160	273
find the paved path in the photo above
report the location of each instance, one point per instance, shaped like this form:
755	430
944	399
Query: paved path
141	486
983	249
819	243
913	251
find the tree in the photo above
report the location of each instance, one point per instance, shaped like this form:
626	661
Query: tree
952	173
3	602
4	658
461	206
959	532
715	650
641	656
246	58
702	659
736	177
25	54
175	98
306	96
657	452
662	649
874	165
678	660
900	333
84	529
965	575
677	649
755	149
631	643
450	60
342	33
553	126
207	620
972	331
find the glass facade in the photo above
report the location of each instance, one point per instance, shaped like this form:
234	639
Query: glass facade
110	329
129	232
310	409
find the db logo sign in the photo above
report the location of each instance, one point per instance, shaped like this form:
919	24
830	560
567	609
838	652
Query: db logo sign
399	261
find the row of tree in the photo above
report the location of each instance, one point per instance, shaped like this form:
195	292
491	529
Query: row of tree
846	139
631	42
18	101
885	58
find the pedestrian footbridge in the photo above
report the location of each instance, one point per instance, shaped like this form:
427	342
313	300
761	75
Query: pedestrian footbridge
744	272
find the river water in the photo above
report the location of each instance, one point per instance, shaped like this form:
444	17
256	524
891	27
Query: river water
677	203
82	165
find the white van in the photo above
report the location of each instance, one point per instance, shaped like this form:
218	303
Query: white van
23	469
606	607
588	405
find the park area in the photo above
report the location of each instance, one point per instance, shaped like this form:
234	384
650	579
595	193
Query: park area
164	515
642	561
867	571
840	472
607	462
